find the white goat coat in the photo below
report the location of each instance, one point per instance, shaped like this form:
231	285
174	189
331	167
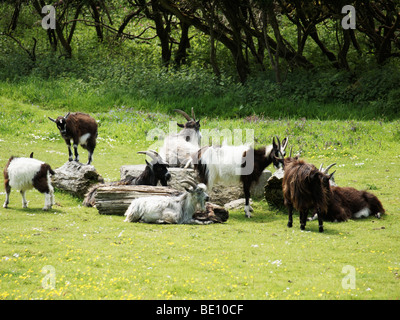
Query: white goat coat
165	209
21	172
224	163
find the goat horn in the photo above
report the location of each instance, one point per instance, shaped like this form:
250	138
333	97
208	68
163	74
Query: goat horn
184	114
328	167
290	152
320	167
192	183
150	154
193	116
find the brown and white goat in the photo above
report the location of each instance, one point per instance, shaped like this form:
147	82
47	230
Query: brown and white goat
27	173
305	187
81	128
350	203
232	164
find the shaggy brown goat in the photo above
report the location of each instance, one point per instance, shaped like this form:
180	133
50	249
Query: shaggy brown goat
305	187
349	203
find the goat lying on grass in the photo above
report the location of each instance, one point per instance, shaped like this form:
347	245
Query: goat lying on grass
349	203
27	173
155	171
173	210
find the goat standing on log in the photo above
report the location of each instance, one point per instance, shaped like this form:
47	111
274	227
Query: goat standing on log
155	171
305	187
231	164
81	129
177	148
27	173
172	210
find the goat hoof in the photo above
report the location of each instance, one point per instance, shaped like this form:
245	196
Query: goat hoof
248	215
302	227
290	224
321	229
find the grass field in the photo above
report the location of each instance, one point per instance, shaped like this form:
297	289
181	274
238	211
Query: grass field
90	256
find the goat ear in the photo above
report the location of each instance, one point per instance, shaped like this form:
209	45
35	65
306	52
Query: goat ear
52	119
331	175
180	125
31	155
149	164
285	143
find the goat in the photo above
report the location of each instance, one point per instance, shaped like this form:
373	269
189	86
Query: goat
233	164
305	187
155	171
177	148
349	203
27	173
81	129
166	209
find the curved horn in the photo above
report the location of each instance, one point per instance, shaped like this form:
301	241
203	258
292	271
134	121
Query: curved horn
321	167
290	152
66	116
150	154
192	183
328	167
184	114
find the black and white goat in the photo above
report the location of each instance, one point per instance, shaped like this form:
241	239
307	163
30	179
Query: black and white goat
170	209
177	148
81	128
233	164
27	173
156	171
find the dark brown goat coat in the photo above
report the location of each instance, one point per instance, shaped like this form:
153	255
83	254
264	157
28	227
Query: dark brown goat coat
345	202
305	187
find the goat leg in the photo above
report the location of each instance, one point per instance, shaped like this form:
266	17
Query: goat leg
247	207
320	222
69	150
303	219
8	191
290	221
76	152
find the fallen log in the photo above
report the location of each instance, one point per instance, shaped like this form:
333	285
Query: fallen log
273	190
75	178
116	199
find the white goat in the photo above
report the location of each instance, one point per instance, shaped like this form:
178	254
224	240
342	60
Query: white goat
178	148
27	173
167	209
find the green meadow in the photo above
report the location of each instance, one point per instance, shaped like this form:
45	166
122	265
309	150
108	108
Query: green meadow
72	252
